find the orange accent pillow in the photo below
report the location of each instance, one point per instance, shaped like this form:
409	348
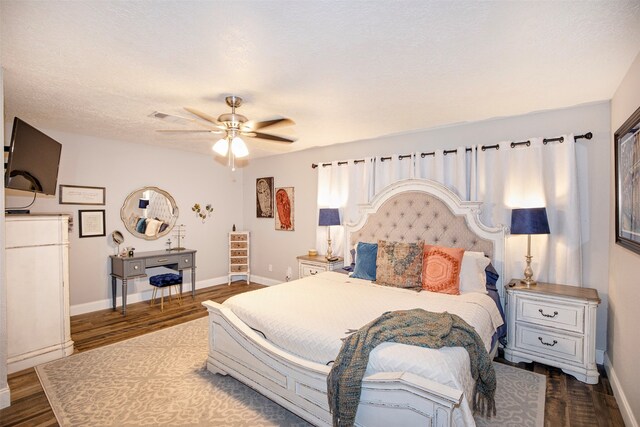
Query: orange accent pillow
441	269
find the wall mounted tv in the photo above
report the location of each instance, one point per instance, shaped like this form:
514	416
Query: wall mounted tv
33	160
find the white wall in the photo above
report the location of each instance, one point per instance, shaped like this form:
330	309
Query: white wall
122	167
295	170
5	398
624	278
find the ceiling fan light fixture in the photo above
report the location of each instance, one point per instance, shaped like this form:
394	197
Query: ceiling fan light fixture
239	148
221	147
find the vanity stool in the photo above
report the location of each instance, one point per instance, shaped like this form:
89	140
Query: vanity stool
162	281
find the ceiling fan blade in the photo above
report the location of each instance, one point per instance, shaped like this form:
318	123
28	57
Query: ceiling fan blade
205	116
252	125
268	136
173	118
190	130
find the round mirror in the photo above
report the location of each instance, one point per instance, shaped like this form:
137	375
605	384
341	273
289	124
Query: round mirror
117	237
149	213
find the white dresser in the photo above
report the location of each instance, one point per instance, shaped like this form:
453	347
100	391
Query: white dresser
37	264
312	265
554	325
239	255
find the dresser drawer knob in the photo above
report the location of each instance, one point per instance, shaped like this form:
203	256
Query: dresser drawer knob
186	260
313	272
549	344
135	267
555	313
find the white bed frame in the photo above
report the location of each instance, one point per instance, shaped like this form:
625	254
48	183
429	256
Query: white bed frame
389	398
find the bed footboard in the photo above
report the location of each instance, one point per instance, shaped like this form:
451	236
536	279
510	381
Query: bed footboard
388	398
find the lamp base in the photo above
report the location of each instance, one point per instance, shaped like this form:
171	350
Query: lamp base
528	282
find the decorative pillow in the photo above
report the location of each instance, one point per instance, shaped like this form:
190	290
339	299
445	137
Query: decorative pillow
399	264
153	225
441	269
473	277
141	226
367	254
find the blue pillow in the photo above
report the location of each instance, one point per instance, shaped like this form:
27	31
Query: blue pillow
366	255
141	226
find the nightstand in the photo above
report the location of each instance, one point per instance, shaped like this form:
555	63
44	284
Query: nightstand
554	325
312	265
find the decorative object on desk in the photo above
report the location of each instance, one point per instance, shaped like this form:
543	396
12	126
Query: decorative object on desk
233	228
131	252
168	243
264	197
313	252
92	223
179	233
149	213
80	195
627	181
201	213
529	221
329	217
117	238
284	205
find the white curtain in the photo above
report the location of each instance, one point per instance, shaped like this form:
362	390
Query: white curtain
456	170
389	170
344	187
503	179
535	176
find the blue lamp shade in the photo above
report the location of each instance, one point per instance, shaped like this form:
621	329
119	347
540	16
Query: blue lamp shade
142	203
529	221
329	216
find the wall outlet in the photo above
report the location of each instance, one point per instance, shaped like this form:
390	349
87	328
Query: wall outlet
270	267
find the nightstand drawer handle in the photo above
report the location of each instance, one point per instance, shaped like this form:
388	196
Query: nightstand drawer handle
313	272
546	343
555	313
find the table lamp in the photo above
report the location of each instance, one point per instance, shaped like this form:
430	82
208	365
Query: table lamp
329	217
529	221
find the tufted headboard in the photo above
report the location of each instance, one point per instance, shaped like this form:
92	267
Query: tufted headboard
420	210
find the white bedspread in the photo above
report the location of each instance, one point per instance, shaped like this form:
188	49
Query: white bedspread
308	318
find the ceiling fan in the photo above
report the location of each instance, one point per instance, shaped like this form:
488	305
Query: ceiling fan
231	126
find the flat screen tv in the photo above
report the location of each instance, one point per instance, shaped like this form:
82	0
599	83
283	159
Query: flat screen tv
33	160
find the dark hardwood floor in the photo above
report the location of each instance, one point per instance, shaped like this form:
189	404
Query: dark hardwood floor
568	401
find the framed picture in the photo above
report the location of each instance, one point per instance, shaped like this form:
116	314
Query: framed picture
284	209
627	180
264	197
91	223
79	195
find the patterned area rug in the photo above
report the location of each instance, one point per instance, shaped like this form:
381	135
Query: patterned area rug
161	379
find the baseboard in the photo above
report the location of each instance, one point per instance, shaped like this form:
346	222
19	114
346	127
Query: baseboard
5	397
265	280
621	399
144	295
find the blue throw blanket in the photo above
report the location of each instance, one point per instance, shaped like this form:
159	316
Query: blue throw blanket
413	327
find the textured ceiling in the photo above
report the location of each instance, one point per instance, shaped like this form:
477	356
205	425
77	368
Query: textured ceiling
343	70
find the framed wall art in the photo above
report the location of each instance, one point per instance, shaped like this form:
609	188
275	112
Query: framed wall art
284	209
92	223
80	195
627	181
264	197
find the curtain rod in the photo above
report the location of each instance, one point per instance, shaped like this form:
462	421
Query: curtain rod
560	139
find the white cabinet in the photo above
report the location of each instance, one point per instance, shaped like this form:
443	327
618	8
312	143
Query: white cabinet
554	325
37	266
312	265
239	255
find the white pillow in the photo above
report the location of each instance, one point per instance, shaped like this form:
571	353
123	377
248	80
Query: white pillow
472	275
